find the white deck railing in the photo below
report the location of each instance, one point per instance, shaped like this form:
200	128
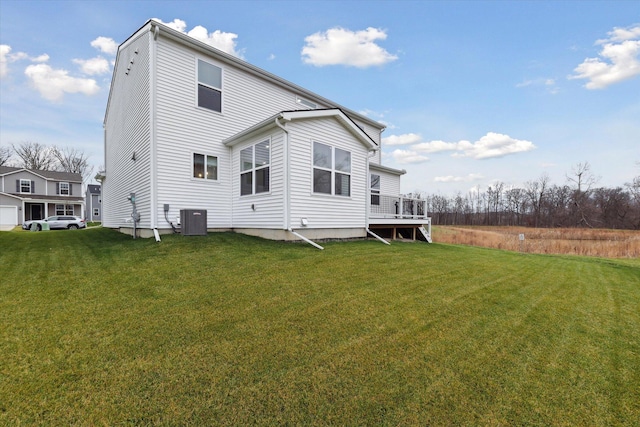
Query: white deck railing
385	206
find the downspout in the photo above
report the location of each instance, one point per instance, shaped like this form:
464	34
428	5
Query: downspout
152	135
287	187
300	236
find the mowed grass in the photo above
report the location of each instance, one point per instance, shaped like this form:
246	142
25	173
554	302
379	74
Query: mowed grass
99	329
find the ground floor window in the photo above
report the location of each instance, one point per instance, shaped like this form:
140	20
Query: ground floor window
205	167
331	170
64	209
255	168
375	189
96	212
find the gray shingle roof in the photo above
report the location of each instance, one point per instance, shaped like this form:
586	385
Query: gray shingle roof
53	175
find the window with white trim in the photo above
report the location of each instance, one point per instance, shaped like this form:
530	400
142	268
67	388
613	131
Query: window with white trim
25	186
331	170
255	168
96	212
63	188
64	209
375	189
205	167
209	86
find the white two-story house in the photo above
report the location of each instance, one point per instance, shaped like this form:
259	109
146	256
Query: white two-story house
190	127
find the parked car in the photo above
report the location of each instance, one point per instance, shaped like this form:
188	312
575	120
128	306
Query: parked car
56	222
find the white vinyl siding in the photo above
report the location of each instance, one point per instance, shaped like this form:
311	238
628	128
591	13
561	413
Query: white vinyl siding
263	210
321	210
128	128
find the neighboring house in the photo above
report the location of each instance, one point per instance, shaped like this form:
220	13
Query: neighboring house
190	127
27	194
93	203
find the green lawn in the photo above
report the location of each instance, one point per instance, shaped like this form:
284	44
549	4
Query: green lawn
99	329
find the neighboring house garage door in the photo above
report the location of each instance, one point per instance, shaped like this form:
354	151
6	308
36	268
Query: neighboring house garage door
8	216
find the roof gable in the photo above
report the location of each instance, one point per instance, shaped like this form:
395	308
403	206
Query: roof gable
287	116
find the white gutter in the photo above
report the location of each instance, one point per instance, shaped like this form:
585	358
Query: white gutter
300	236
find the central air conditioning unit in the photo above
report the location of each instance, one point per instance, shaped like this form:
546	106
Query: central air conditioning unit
193	222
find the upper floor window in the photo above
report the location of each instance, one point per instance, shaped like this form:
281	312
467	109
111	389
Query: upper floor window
25	186
254	168
209	86
205	167
63	188
331	170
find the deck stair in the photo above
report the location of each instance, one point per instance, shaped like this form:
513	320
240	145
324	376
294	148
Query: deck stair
426	234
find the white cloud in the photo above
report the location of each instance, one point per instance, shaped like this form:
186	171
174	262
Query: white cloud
93	66
406	139
105	45
339	46
618	60
450	178
489	146
438	146
493	145
6	57
53	84
226	42
408	156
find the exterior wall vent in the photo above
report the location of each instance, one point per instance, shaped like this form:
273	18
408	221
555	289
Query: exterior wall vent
193	222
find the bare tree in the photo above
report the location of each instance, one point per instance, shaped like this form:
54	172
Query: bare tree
34	155
536	193
72	160
583	180
5	156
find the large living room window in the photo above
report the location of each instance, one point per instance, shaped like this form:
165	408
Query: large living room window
64	209
205	167
331	170
209	86
255	169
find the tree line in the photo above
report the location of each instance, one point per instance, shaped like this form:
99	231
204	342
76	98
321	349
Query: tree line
36	156
539	203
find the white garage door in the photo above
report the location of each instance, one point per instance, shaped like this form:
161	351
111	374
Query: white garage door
8	216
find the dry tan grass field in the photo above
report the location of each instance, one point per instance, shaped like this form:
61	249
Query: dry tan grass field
570	241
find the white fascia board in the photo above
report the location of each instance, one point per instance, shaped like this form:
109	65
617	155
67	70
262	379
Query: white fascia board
259	127
387	169
338	114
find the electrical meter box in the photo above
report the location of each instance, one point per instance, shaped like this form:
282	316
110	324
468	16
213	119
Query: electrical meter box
193	222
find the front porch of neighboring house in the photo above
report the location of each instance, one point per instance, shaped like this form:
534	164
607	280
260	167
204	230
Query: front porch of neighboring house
397	217
43	209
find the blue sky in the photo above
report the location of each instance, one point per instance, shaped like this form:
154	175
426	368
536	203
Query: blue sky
471	92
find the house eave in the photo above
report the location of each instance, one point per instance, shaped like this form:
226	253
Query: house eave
387	169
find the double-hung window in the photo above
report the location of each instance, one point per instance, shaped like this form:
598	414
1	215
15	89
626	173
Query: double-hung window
209	86
64	209
205	167
25	186
255	168
63	188
331	170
